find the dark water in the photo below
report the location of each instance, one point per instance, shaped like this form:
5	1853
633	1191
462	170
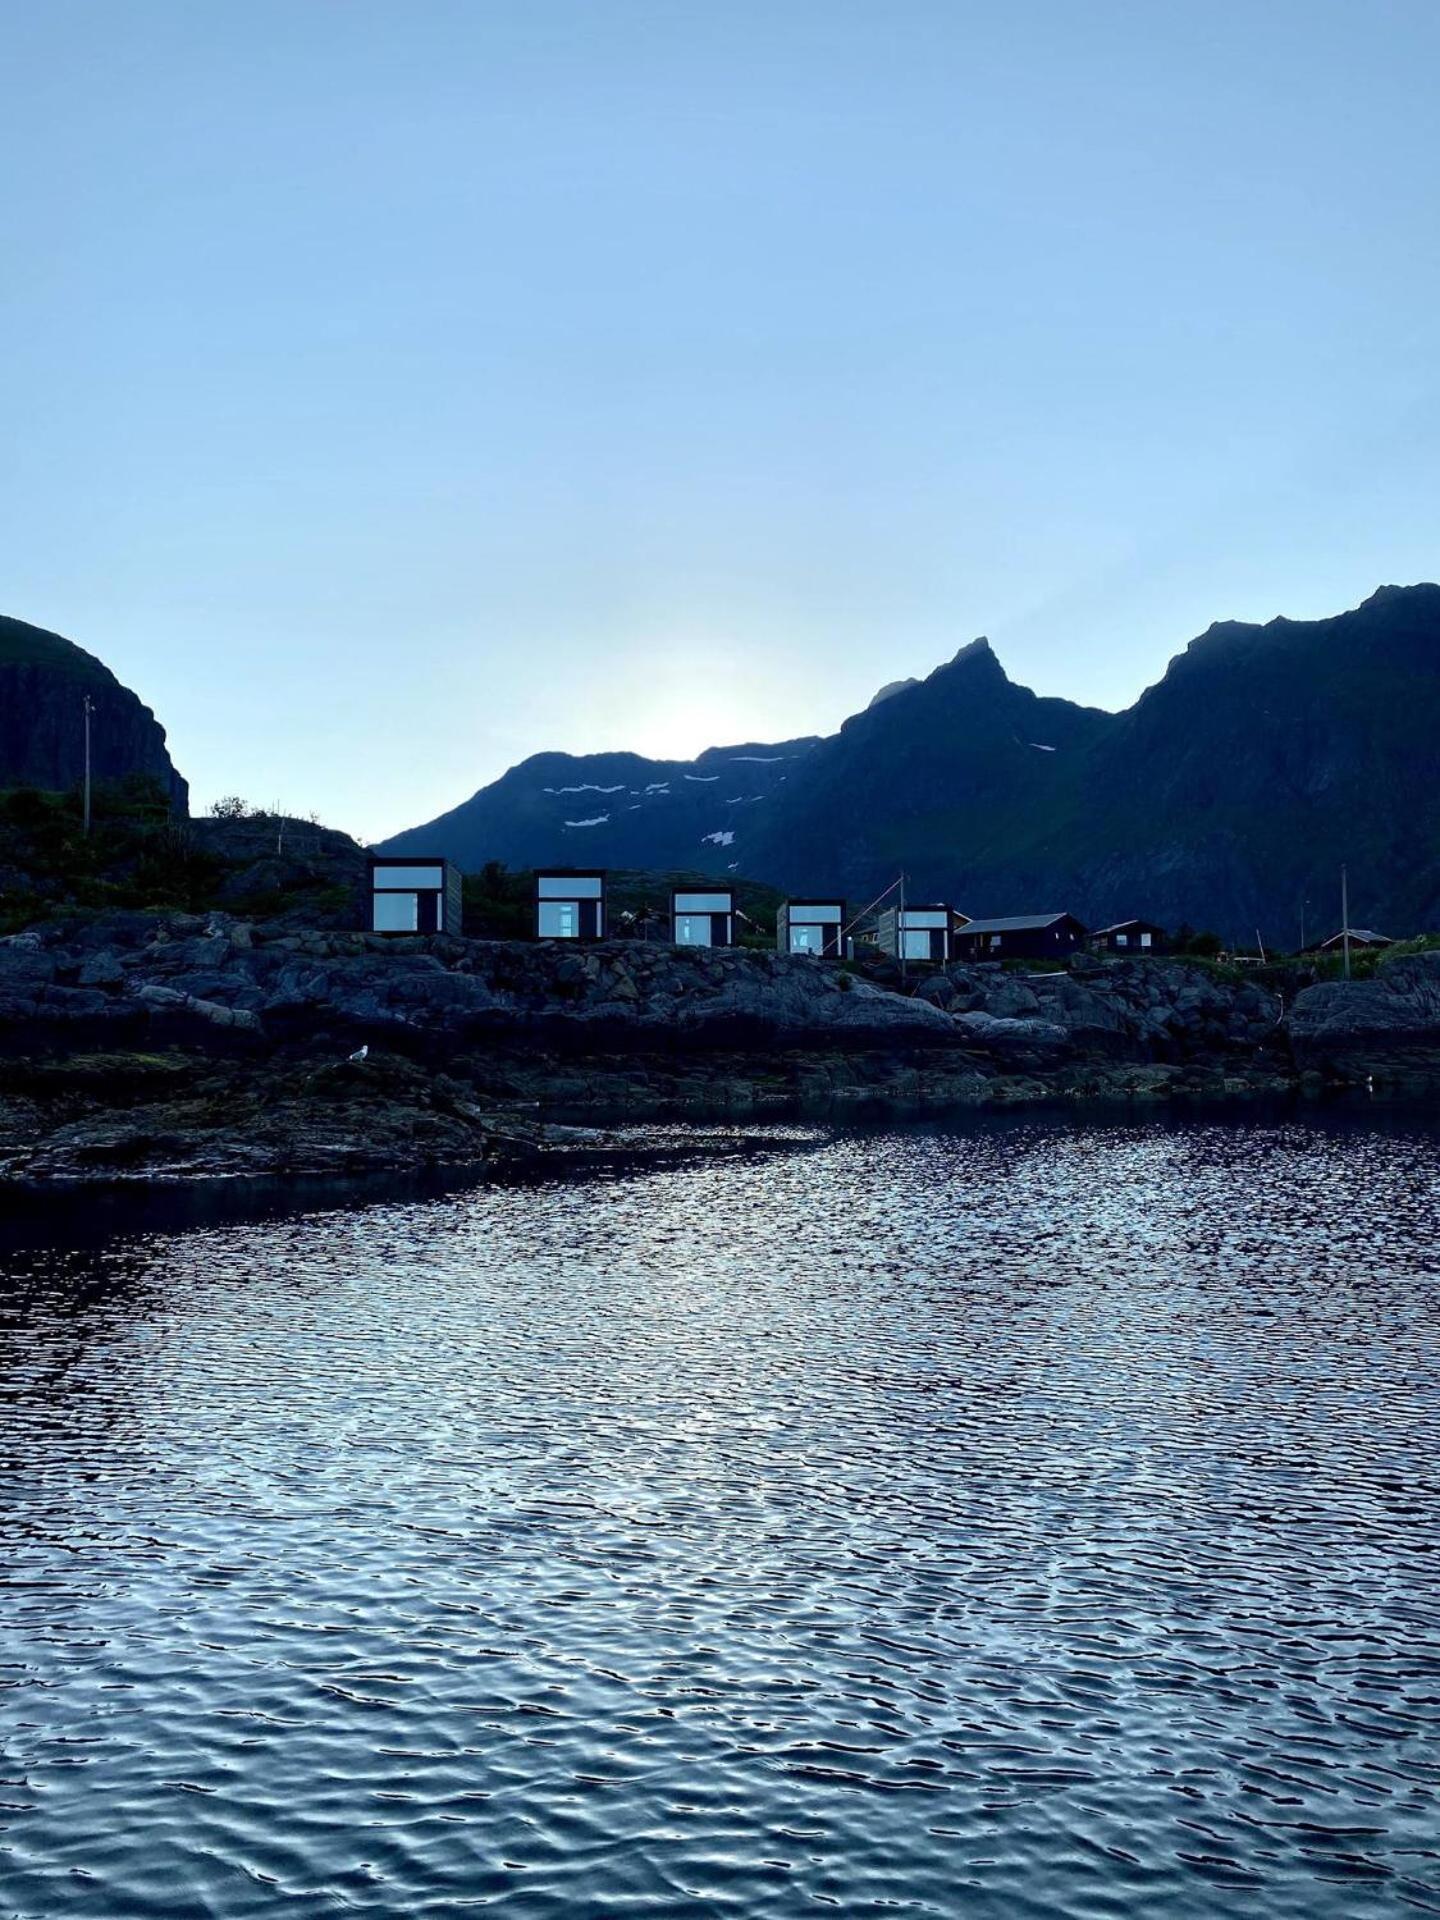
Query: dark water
1033	1521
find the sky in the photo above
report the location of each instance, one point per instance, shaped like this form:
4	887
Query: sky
391	389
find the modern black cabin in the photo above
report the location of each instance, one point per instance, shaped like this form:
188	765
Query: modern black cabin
410	894
702	919
1130	937
810	926
1026	936
570	903
916	933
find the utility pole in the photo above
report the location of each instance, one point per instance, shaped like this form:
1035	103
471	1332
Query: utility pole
900	937
1345	916
88	706
1303	904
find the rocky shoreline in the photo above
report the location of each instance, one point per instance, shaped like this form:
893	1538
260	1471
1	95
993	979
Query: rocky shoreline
189	1047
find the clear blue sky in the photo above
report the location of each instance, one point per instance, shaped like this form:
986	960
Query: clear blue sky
391	390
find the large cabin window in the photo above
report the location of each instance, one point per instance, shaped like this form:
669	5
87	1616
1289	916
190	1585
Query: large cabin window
559	920
397	912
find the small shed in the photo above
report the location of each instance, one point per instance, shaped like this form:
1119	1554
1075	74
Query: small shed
1359	937
915	933
703	919
810	926
1025	936
570	903
1130	937
413	894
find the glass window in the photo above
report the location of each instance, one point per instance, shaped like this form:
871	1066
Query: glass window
692	930
1122	939
569	886
559	920
702	903
1145	939
805	939
425	877
396	912
915	944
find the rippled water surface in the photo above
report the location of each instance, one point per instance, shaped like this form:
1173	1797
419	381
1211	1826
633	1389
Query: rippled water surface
1026	1521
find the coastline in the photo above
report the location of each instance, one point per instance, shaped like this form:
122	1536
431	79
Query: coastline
188	1049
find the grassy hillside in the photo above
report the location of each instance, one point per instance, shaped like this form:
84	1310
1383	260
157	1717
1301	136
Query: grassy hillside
139	854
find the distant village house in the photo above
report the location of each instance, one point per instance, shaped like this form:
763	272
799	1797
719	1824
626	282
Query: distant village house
1359	937
915	933
810	926
1130	937
703	919
570	903
413	895
1034	936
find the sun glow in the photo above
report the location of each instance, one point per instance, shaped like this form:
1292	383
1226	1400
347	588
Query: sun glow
683	699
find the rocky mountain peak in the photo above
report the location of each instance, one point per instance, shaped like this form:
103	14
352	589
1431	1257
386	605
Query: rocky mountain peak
44	681
890	689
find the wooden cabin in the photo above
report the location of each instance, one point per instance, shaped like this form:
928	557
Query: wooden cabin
702	919
1026	936
570	903
1359	937
1129	937
412	894
915	933
810	926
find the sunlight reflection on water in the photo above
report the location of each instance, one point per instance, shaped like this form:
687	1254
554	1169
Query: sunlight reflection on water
1021	1520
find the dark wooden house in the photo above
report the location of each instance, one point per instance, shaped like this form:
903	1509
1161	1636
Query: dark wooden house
1026	936
1359	937
570	903
409	894
1129	937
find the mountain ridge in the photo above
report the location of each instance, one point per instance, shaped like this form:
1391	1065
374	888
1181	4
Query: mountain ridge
1227	794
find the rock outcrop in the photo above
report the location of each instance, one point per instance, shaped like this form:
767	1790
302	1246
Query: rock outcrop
1386	1028
188	1045
1136	1010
